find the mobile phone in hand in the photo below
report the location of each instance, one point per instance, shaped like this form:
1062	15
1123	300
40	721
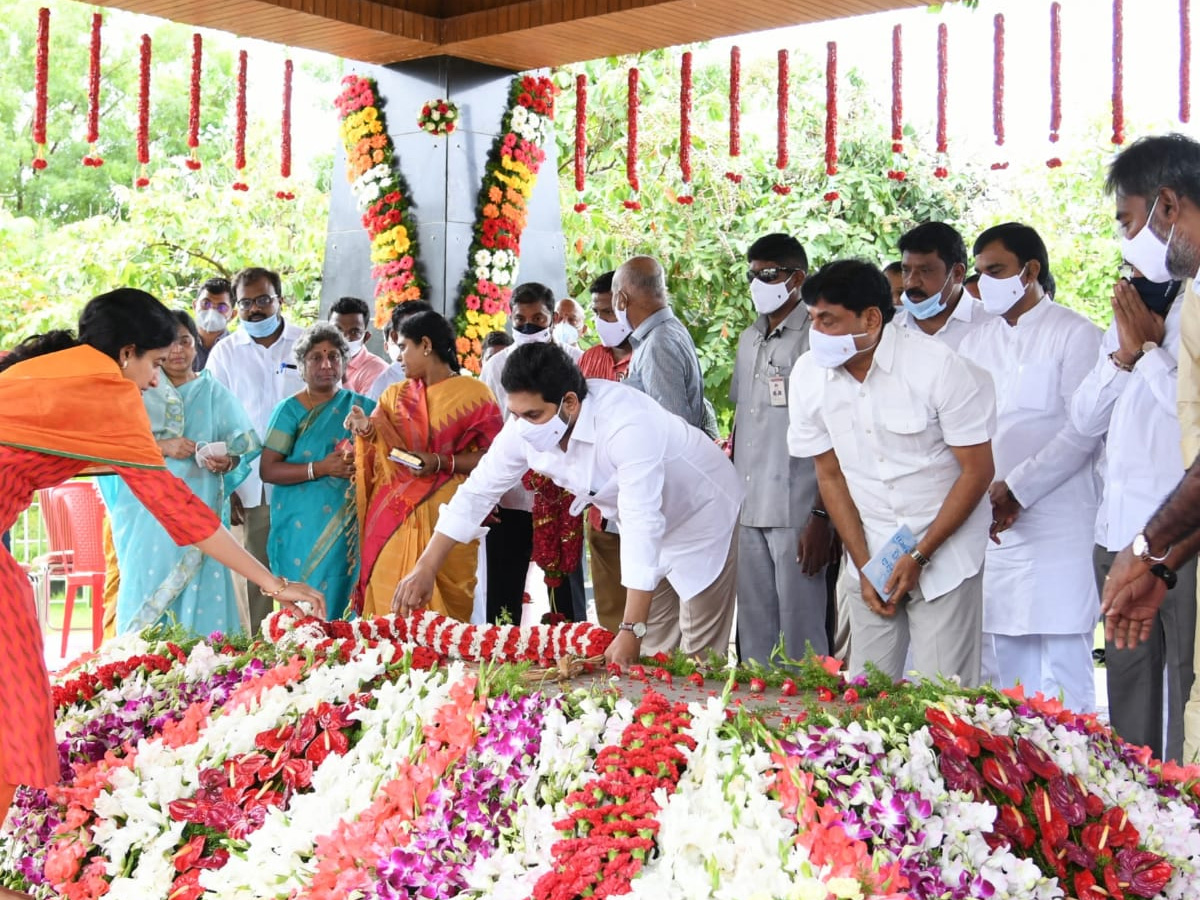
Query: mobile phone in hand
406	459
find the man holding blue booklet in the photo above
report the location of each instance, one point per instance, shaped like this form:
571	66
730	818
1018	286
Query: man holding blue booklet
900	429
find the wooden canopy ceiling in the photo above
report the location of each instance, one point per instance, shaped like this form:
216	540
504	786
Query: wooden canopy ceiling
512	34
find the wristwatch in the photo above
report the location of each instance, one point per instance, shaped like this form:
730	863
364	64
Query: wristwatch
1141	549
638	628
1148	346
1167	576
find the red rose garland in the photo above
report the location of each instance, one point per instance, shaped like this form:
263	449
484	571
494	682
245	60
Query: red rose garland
998	85
781	122
631	148
143	129
1185	61
557	535
896	173
193	139
735	109
1118	82
580	138
91	158
239	141
285	132
40	82
942	89
1055	70
685	127
831	109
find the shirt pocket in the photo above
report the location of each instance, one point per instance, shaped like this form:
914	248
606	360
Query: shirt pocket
904	432
844	434
1036	386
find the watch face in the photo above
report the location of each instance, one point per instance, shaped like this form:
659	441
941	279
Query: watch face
1140	546
639	629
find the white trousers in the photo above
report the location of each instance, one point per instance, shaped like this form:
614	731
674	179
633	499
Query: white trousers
1051	663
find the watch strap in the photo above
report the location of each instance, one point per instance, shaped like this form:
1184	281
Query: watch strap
1165	575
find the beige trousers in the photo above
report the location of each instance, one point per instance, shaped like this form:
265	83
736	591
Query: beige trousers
697	625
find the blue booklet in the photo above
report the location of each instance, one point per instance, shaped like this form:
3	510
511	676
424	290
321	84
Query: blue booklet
879	567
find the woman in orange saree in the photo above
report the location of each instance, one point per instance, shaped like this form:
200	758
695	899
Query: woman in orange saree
445	421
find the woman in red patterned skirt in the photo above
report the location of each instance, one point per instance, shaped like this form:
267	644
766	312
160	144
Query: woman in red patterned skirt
67	404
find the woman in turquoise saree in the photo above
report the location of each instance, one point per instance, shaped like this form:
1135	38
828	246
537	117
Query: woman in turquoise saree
160	581
308	455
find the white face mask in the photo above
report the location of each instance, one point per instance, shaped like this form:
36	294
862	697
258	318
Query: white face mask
1147	252
355	348
622	315
832	350
769	297
566	334
999	295
210	320
542	436
541	336
612	334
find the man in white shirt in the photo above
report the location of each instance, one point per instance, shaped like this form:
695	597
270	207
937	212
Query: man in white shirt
900	429
394	373
671	490
509	543
1040	605
1130	396
933	265
255	363
213	311
351	316
570	324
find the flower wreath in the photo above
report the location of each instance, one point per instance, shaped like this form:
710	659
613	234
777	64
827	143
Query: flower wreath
438	117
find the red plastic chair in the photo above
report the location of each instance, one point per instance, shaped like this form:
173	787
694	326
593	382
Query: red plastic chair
74	516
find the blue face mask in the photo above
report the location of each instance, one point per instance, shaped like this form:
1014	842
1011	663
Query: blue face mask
263	327
927	308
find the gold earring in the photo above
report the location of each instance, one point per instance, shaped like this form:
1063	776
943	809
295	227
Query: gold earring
426	352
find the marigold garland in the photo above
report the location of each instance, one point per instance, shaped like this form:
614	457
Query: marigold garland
998	84
92	158
143	128
1185	61
1055	71
438	117
508	181
285	132
942	93
239	140
193	138
580	137
382	197
735	109
41	72
685	127
1118	78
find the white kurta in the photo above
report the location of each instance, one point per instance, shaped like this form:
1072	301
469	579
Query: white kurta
1039	579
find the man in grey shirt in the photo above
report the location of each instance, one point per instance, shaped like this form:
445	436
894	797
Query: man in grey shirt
785	541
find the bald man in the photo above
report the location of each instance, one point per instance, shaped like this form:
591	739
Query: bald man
569	325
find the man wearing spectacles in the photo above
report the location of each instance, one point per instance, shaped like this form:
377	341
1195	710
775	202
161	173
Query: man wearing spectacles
214	312
255	363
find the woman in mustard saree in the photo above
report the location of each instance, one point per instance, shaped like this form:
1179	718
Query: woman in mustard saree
446	421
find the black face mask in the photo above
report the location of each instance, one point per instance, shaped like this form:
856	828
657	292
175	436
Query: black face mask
530	328
1157	295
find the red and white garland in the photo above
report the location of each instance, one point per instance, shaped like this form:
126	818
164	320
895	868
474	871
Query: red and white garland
1118	82
239	139
285	133
1055	78
998	85
685	128
449	638
942	91
580	140
631	148
41	73
735	109
831	116
896	172
193	138
438	117
781	123
1185	61
92	158
143	128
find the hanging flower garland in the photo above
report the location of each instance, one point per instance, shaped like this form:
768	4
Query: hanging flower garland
735	110
193	138
381	195
41	71
942	89
685	128
508	181
143	129
998	85
557	535
438	117
896	172
781	122
1055	78
831	117
92	158
1185	61
285	133
1118	82
239	140
580	140
631	150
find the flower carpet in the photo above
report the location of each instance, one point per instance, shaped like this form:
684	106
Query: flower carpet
422	758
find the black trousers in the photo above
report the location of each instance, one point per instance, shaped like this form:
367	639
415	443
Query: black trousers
570	597
509	547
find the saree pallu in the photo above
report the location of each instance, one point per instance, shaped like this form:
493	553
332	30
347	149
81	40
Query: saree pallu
398	509
159	580
314	524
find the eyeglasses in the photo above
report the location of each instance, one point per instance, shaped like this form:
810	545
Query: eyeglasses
184	340
262	302
219	307
768	274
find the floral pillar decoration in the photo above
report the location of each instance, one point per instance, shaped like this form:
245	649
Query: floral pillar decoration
735	110
1118	79
1185	61
942	87
580	140
685	128
1055	79
781	123
998	85
896	172
92	158
239	139
631	148
285	134
831	116
41	70
193	138
143	127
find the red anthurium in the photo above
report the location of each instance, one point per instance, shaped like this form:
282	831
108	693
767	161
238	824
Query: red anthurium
1037	759
996	775
186	886
273	739
1146	873
959	773
1087	889
186	856
1053	825
1124	834
1012	823
1068	800
297	773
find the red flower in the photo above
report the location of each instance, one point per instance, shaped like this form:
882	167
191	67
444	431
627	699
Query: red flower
697	679
941	172
897	147
851	695
734	177
39	163
824	694
830	196
781	189
580	207
142	182
1146	873
788	688
757	685
1053	163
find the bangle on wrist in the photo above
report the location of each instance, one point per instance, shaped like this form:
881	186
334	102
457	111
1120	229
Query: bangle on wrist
438	457
453	465
920	558
279	590
1123	366
310	472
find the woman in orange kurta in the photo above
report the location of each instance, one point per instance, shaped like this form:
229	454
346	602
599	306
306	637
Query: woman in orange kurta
67	405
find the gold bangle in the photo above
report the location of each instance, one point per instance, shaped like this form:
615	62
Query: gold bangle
279	590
